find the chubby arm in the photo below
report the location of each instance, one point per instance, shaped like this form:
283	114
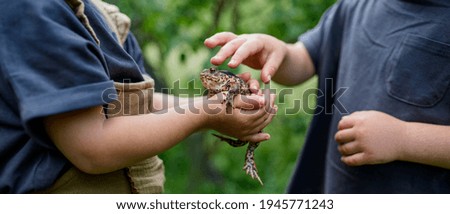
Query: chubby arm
97	145
288	64
163	101
429	144
373	137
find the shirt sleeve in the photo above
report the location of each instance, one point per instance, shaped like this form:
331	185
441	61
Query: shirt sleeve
323	42
131	46
51	62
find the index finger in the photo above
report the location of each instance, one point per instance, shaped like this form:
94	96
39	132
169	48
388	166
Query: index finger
345	123
219	39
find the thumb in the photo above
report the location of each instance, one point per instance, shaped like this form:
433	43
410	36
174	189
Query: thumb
258	137
249	102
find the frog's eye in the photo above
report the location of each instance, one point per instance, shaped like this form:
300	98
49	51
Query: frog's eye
212	70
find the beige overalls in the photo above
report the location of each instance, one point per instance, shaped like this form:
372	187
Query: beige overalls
133	99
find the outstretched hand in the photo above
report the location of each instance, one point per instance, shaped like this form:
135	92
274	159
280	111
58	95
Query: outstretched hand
257	51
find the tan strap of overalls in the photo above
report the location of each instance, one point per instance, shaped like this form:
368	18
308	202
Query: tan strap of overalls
133	98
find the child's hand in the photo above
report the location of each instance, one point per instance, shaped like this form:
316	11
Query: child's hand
238	122
253	84
258	51
370	137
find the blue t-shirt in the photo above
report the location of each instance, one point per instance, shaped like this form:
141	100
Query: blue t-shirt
50	64
391	56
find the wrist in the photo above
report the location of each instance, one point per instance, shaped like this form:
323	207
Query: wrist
209	112
296	67
403	141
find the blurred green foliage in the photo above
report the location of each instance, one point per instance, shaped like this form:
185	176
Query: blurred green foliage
171	34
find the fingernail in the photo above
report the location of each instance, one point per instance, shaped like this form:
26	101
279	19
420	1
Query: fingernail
216	58
232	62
269	78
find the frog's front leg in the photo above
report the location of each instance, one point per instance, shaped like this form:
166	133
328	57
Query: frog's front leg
230	97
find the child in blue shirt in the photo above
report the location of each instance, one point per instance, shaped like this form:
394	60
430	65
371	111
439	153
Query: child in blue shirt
383	122
59	62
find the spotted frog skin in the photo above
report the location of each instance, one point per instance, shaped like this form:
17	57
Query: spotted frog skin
230	85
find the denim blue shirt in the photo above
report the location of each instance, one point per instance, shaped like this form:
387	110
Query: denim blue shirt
391	56
50	64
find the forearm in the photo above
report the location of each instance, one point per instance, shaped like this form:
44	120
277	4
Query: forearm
165	101
96	145
102	145
296	67
427	144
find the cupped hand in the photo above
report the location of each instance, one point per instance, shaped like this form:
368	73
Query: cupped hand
244	121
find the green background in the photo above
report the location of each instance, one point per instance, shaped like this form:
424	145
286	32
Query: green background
171	35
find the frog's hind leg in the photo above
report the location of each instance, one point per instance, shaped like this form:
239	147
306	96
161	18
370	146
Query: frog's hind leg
232	142
250	165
